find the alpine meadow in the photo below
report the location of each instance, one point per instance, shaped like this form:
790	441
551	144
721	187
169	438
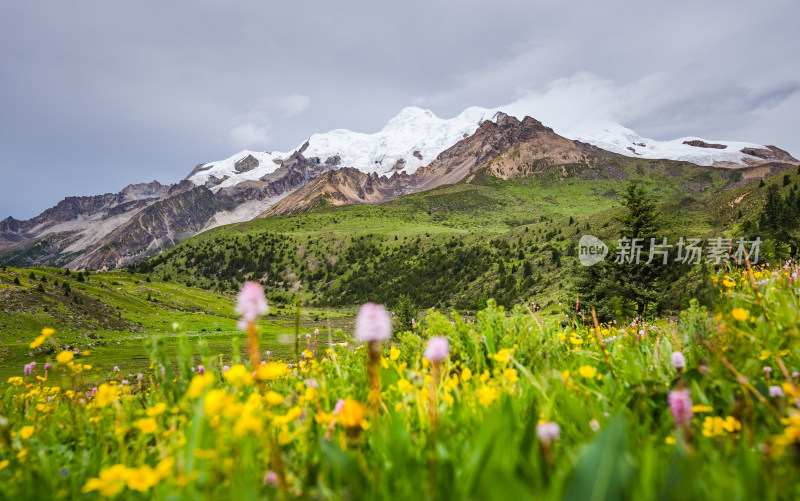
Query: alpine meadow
529	301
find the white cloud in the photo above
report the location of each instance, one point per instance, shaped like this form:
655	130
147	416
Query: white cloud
293	104
250	136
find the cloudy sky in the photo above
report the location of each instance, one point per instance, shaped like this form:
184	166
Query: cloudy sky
98	94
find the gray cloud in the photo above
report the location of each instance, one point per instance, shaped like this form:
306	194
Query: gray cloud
102	93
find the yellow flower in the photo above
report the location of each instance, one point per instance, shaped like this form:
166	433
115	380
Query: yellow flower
792	431
740	314
765	354
47	332
157	409
587	371
486	395
502	356
394	354
728	283
26	432
294	413
466	374
270	370
511	375
146	425
198	385
670	440
141	479
110	481
273	398
216	401
565	375
248	423
404	386
106	394
576	340
4	463
352	414
701	408
15	380
238	375
37	342
324	418
64	357
731	424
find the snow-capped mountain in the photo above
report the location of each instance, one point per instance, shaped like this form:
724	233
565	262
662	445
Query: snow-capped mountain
415	137
412	139
415	151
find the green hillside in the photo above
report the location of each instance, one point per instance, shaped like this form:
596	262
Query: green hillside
457	245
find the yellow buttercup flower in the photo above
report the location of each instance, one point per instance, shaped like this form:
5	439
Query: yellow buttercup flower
216	401
740	314
106	393
511	375
701	408
238	375
271	370
587	371
466	374
38	342
273	398
199	384
26	432
48	332
352	414
157	409
146	425
404	386
64	357
486	395
503	356
394	354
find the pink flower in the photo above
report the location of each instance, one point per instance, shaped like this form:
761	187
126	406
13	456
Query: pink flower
316	332
47	366
775	392
767	369
28	369
201	369
437	350
251	303
338	407
680	404
547	432
139	377
373	323
270	478
678	360
225	368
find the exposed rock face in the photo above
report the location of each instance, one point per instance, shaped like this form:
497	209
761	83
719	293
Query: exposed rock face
702	144
157	227
771	154
246	164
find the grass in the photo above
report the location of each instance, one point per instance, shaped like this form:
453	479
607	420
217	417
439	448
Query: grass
523	407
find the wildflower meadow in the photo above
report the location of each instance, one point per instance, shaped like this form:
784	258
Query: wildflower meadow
509	405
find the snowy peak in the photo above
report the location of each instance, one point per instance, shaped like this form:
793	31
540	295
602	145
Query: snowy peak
731	154
416	136
410	140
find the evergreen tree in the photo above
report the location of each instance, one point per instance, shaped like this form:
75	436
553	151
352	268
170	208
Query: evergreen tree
639	282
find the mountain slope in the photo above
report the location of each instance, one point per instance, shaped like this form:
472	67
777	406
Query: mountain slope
415	151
